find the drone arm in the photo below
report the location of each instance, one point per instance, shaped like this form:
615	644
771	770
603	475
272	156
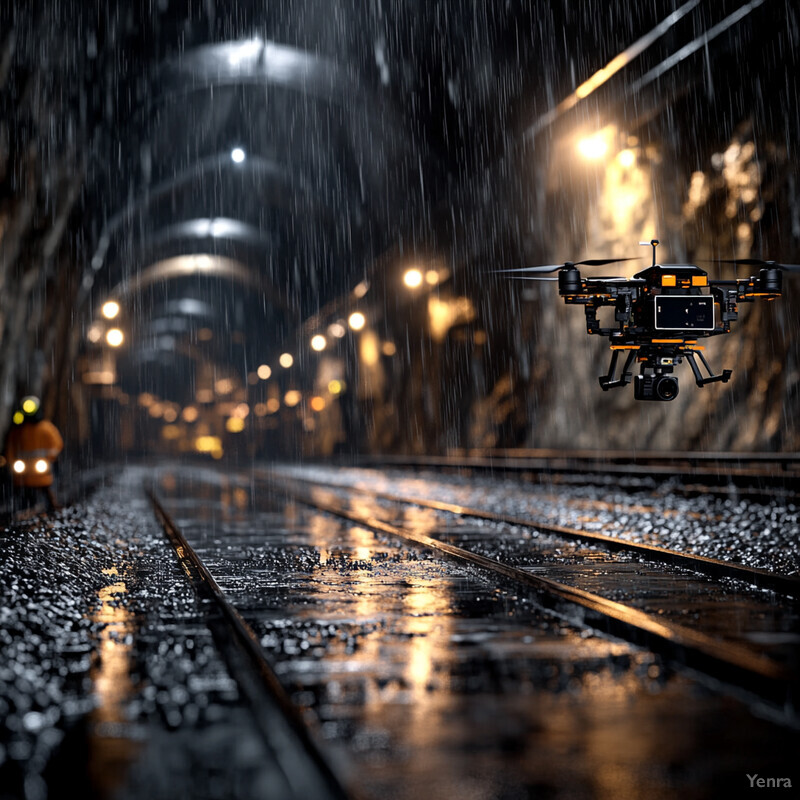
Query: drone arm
698	377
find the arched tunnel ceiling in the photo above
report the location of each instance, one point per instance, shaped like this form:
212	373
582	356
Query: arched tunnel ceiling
355	121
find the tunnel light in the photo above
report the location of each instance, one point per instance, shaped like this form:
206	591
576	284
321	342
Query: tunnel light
94	334
318	343
264	372
317	403
273	404
234	425
336	330
190	414
412	278
356	320
627	158
110	309
170	414
292	398
335	387
19	467
286	360
388	348
593	147
361	289
115	337
237	155
432	277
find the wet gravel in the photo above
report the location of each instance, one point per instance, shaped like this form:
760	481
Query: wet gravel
110	683
759	534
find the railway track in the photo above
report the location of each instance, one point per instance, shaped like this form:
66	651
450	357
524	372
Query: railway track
750	474
654	617
278	720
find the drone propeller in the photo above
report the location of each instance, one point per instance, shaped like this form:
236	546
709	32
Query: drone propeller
531	278
757	262
591	262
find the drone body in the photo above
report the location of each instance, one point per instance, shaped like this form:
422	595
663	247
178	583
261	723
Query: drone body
661	313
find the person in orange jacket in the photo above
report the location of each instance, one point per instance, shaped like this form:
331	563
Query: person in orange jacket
32	445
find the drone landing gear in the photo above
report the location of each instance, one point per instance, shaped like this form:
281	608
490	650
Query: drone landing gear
611	381
712	378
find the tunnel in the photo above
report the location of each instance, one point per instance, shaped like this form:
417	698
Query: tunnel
246	245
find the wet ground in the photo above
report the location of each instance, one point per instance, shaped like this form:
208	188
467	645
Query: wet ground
418	676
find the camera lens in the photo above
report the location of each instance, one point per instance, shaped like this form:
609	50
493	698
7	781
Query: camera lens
666	387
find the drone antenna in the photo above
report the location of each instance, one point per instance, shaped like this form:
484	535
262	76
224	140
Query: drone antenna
652	243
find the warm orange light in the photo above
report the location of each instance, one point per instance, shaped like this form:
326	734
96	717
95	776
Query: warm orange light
699	280
234	425
412	278
292	398
115	337
356	320
190	414
273	404
335	387
317	403
264	372
668	280
110	309
388	348
593	147
318	343
286	360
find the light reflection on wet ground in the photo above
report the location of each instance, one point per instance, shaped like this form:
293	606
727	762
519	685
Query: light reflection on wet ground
111	746
430	681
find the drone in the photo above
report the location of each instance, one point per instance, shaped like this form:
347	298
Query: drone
660	314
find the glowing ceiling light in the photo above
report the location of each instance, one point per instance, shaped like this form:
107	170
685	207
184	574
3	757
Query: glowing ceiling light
264	372
432	277
356	320
115	337
237	155
94	334
412	278
110	309
292	398
317	403
286	360
337	330
627	158
593	147
318	343
234	425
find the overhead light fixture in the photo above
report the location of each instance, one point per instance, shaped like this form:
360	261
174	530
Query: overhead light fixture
318	343
286	360
237	155
115	337
412	278
356	320
593	147
264	372
110	309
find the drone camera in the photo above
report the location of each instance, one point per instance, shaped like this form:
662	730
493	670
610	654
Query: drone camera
655	387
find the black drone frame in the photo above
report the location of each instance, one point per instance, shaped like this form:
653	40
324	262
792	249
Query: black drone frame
660	314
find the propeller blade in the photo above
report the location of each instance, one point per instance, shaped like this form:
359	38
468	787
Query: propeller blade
532	278
757	262
599	262
545	268
591	262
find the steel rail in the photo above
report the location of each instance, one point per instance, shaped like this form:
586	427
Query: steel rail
762	578
740	481
755	675
278	720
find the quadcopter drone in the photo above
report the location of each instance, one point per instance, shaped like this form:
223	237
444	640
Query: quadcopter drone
661	312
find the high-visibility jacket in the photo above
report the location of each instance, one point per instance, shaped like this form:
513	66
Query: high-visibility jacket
31	449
